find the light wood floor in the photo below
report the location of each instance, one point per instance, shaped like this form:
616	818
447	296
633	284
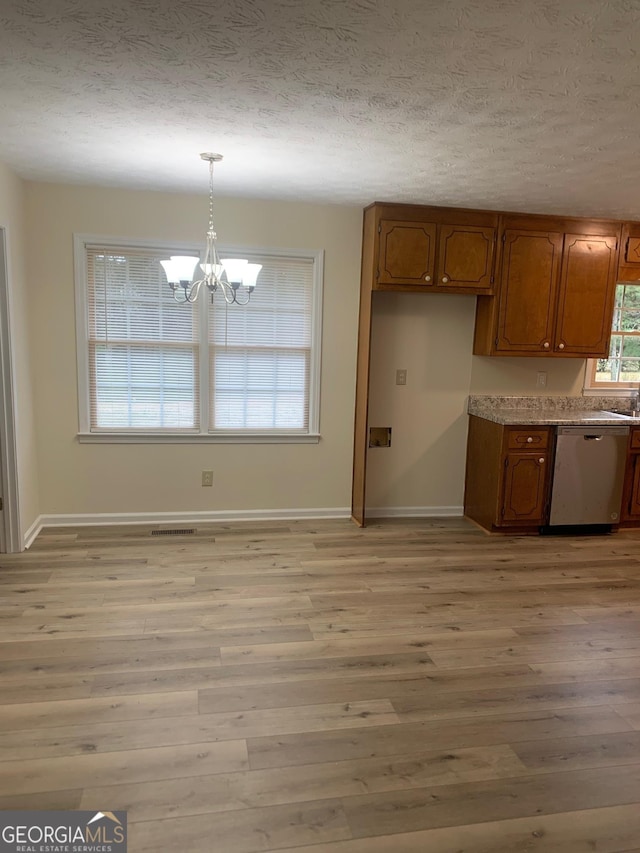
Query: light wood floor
313	687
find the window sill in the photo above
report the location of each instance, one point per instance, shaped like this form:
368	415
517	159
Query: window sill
197	438
608	392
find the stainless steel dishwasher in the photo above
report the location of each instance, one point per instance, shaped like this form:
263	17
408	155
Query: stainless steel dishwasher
588	475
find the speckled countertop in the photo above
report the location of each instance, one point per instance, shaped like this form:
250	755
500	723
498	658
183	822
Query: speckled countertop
551	411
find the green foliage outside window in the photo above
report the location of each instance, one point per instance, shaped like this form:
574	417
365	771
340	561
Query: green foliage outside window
623	364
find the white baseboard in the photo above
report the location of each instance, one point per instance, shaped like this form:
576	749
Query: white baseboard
106	519
414	512
30	534
193	517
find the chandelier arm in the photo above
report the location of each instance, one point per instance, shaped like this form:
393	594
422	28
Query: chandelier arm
194	291
242	301
227	292
175	291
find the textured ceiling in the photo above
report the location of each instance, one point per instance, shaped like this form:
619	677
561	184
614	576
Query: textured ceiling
513	104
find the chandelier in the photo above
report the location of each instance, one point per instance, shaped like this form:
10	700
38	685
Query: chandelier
235	278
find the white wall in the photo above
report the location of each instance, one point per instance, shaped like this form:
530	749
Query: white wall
512	376
431	336
20	307
81	479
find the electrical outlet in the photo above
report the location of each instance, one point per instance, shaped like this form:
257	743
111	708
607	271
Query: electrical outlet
207	478
401	377
541	379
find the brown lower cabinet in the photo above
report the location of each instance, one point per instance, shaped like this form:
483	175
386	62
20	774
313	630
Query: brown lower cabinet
630	514
507	475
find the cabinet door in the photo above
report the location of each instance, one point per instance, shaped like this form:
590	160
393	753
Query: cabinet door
629	267
587	290
631	506
465	257
524	488
528	291
407	253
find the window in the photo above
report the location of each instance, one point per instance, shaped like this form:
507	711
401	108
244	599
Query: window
152	368
621	370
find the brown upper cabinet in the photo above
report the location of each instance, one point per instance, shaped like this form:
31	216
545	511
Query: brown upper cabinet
556	286
629	269
424	249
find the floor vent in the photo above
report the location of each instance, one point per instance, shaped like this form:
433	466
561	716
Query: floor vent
176	531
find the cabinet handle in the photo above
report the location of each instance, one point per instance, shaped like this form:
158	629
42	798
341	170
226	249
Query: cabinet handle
529	440
444	279
560	345
546	344
541	460
427	278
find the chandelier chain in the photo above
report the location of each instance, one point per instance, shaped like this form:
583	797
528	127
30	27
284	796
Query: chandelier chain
211	195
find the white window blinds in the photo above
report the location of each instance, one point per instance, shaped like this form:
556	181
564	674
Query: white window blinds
260	353
143	346
155	366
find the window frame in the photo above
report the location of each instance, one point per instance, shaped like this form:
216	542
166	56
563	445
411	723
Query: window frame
203	434
609	389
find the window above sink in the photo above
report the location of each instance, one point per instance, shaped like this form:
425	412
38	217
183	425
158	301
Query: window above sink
621	370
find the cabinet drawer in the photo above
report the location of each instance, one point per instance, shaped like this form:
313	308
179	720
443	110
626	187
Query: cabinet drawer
635	439
532	439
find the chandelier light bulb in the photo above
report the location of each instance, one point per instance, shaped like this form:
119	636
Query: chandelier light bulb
234	268
180	268
251	272
212	269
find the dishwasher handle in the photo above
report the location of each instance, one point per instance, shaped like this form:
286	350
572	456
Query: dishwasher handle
593	437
